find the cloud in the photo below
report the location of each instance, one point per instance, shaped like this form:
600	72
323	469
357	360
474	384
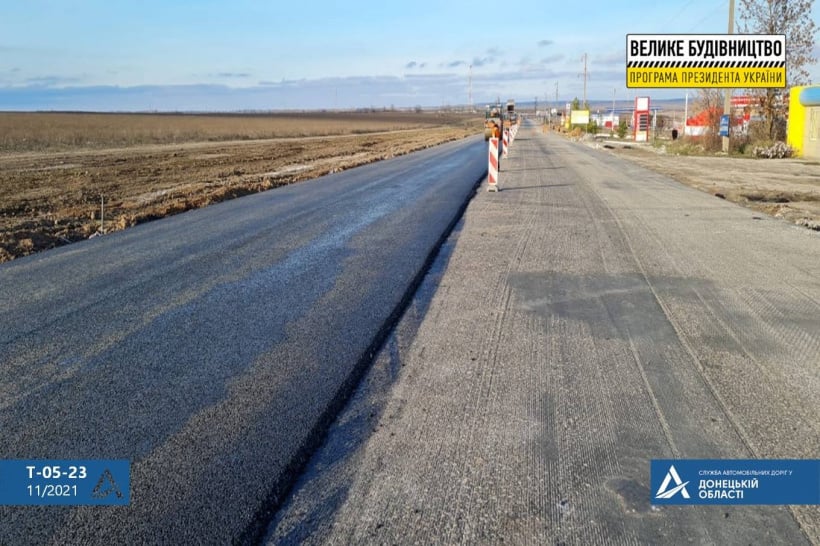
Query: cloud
446	86
232	75
333	83
553	58
52	81
544	43
607	75
511	76
483	61
31	50
611	58
455	64
413	65
433	78
322	93
494	52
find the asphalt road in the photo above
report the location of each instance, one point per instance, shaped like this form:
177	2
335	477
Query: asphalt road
209	348
588	318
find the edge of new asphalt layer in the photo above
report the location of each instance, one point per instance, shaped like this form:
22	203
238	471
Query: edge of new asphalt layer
322	486
257	530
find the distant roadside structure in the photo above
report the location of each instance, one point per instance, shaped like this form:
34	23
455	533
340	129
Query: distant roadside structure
698	125
804	121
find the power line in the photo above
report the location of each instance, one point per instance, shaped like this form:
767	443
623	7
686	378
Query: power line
721	8
679	13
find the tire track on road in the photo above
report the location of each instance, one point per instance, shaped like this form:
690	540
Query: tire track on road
752	301
639	365
682	338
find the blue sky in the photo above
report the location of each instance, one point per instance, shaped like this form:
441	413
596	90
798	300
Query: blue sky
275	54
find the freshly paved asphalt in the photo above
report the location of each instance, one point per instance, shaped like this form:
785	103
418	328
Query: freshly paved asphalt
208	347
586	319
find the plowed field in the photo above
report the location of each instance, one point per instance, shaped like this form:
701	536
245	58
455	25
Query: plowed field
67	177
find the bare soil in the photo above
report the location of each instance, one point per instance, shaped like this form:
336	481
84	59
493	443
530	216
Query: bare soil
56	168
53	182
783	188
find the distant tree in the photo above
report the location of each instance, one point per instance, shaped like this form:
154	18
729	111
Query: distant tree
711	101
576	104
792	18
622	128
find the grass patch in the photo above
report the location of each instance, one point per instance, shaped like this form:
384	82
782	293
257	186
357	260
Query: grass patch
686	147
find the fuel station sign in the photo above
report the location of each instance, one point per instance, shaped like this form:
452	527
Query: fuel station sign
706	60
640	120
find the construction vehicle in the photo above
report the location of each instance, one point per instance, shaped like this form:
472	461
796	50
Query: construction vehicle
512	116
491	114
505	119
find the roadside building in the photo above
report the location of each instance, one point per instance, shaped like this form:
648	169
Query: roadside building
699	124
804	121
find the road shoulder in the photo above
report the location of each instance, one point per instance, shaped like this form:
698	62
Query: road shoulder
527	388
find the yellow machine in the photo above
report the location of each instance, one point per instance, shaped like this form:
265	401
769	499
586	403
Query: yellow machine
491	114
504	119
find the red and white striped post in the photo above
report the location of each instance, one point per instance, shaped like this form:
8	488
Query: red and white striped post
492	170
506	142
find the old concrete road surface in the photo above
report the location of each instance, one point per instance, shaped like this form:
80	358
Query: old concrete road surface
207	347
589	317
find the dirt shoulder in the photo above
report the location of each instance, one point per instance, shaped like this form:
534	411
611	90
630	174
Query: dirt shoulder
783	188
49	198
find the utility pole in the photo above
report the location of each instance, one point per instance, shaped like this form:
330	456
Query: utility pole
536	108
727	97
585	82
612	117
470	80
548	116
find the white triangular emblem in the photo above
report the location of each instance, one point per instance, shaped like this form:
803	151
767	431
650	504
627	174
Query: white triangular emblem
680	485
